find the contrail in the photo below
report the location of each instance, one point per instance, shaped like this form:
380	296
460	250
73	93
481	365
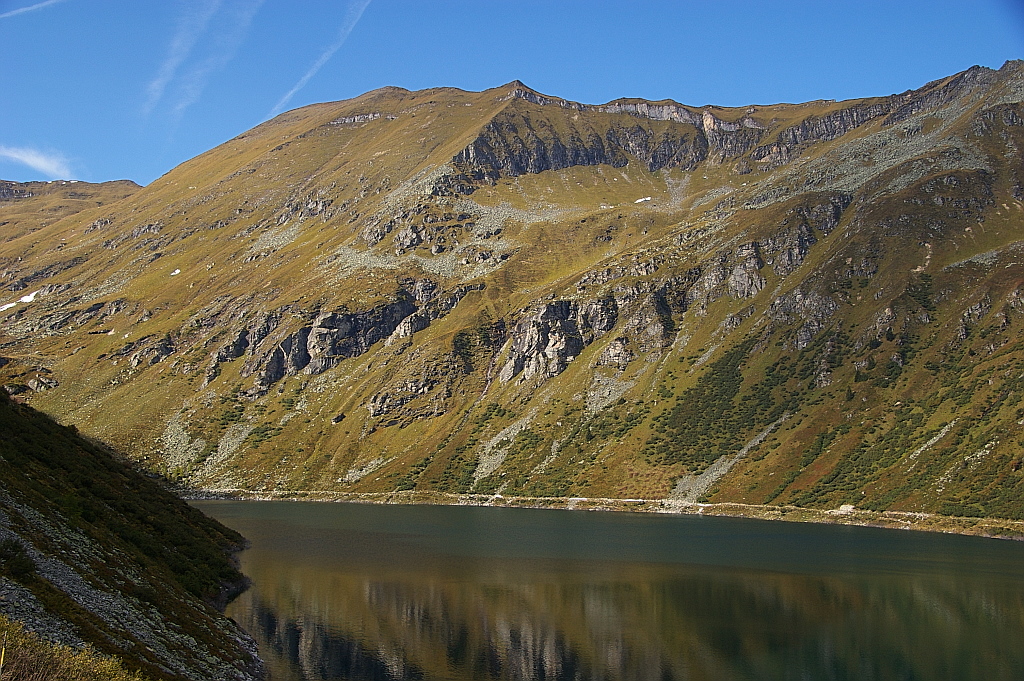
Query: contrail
51	165
355	12
30	8
191	27
194	81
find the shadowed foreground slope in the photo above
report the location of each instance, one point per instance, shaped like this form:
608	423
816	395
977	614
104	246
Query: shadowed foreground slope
91	552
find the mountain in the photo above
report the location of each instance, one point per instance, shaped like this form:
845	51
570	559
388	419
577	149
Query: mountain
94	553
27	206
504	292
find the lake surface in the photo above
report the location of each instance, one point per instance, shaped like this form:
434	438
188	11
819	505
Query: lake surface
373	592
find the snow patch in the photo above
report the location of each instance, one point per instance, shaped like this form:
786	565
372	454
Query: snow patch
8	306
175	273
29	298
646	198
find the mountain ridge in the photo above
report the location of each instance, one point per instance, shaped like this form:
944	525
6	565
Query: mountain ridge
478	293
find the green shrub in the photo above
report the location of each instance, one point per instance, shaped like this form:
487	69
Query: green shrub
15	561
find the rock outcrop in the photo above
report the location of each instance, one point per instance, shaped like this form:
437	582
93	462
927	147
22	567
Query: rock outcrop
546	340
515	143
272	351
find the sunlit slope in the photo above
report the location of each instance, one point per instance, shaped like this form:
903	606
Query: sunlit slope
508	292
27	206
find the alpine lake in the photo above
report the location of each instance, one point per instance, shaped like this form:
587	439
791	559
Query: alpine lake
368	592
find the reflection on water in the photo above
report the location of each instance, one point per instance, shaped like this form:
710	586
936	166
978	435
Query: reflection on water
383	592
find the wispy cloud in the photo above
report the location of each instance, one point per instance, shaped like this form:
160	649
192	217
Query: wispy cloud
30	8
191	26
208	36
53	166
355	12
238	19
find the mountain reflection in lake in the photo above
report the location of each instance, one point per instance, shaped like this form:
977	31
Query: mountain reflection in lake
346	591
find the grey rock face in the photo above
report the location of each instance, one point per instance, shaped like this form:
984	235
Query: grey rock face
790	245
729	140
670	149
745	281
390	401
434	306
968	320
42	383
146	351
330	338
617	354
825	215
512	145
810	308
546	341
716	138
894	109
376	230
12	190
708	286
934	95
241	341
818	129
410	237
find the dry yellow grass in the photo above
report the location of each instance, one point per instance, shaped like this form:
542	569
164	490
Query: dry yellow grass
26	657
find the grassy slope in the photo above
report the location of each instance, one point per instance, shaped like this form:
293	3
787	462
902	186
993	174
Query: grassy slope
25	207
894	365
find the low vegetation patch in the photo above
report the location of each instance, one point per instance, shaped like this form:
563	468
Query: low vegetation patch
26	657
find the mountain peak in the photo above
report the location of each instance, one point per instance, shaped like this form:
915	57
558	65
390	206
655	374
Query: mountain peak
518	85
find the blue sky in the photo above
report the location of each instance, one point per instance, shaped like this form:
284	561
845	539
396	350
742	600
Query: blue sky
110	89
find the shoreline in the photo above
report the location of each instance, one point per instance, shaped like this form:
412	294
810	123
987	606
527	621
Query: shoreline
993	528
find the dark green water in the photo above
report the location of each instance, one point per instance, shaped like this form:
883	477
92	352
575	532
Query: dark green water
346	591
